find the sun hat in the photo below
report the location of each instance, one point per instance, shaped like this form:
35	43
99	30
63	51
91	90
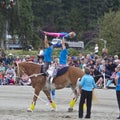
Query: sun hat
27	56
118	66
116	56
10	54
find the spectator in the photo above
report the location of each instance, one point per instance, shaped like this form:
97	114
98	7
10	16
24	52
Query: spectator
17	59
29	58
2	55
96	49
25	81
117	79
104	53
1	78
92	56
9	75
101	65
41	54
95	73
104	78
2	68
112	78
9	59
116	60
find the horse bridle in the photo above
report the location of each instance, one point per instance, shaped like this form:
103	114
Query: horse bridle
18	71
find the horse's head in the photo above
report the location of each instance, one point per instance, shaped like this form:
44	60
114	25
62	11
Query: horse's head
19	71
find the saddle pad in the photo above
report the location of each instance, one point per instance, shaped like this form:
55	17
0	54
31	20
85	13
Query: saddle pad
62	71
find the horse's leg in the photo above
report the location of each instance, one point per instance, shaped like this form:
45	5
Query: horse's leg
73	101
52	103
36	94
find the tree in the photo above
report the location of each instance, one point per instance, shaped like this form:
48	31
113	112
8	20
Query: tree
110	31
25	21
6	8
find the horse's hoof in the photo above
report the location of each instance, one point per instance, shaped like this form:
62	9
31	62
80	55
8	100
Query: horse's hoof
70	109
29	110
53	110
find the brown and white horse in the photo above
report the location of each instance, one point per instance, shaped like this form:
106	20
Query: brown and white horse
38	81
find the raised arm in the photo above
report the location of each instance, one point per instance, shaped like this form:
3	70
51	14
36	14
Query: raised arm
46	41
63	43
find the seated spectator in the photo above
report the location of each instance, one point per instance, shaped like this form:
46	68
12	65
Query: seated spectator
25	80
9	59
116	58
104	78
9	75
17	59
1	78
29	58
112	78
97	76
7	78
2	68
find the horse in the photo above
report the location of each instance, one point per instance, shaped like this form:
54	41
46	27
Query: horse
38	82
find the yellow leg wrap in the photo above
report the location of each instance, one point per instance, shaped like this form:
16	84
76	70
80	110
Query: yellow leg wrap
84	106
53	105
72	103
32	106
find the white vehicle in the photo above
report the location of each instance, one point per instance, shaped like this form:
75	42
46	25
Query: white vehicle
56	42
72	44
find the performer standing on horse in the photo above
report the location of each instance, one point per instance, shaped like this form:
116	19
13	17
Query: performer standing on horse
62	58
47	55
63	54
59	65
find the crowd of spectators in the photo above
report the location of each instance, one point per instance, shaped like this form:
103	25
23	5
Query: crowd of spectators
7	72
103	68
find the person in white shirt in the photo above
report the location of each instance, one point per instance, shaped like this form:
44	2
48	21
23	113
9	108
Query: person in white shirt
96	49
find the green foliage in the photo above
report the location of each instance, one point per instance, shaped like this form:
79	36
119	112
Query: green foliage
71	51
21	52
25	20
110	31
29	16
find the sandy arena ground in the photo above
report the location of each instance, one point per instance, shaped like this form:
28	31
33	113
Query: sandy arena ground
14	101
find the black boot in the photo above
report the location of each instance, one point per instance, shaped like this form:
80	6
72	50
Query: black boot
87	116
45	74
118	117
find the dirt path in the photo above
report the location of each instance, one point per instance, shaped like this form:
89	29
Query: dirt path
14	101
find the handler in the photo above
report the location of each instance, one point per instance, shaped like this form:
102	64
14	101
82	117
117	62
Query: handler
87	84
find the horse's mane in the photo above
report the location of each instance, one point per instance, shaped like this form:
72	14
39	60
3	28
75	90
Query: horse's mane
30	67
32	63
